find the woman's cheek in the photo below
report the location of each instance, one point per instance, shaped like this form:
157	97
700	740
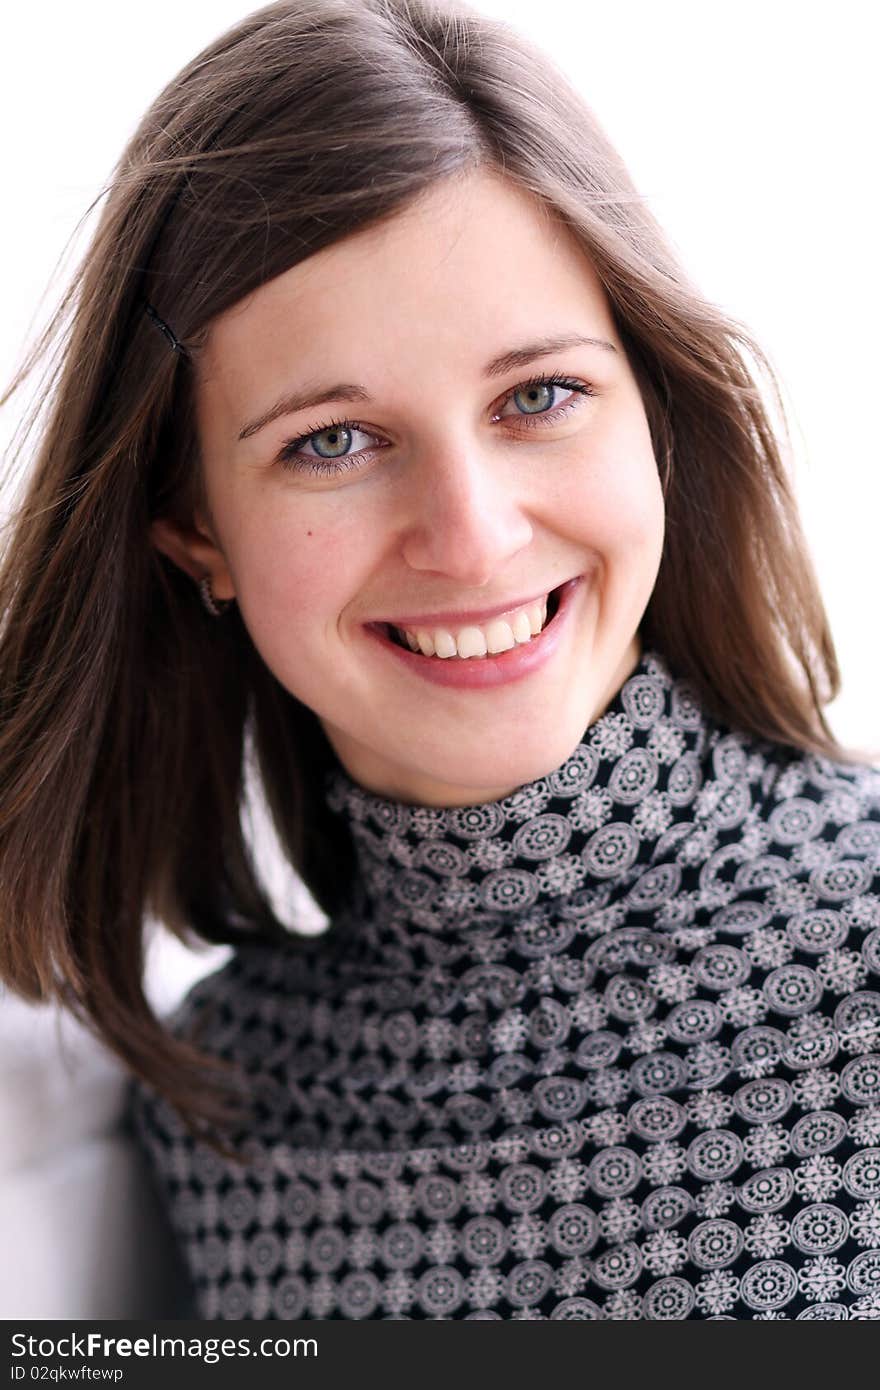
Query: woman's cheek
615	504
294	574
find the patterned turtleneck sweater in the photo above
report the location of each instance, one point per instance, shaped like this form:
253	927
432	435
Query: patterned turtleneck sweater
606	1048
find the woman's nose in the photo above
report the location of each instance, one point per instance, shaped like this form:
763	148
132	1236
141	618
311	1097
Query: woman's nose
465	519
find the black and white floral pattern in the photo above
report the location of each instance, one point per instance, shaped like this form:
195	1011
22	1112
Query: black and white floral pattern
606	1048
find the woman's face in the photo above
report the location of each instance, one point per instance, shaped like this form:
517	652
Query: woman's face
380	453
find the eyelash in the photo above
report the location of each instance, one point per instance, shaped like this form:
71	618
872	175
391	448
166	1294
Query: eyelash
306	463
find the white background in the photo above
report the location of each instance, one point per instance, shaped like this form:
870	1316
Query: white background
751	129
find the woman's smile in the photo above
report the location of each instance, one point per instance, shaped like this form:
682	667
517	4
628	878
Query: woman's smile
479	656
475	633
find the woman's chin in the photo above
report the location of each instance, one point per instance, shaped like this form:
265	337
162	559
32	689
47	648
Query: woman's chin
463	765
473	777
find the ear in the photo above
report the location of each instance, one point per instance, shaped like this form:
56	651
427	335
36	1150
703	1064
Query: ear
193	548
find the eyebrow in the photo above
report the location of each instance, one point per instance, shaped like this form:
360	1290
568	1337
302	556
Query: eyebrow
310	397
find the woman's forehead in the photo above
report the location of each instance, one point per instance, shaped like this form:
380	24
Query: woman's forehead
470	268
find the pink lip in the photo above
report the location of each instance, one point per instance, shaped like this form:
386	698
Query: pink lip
480	673
459	620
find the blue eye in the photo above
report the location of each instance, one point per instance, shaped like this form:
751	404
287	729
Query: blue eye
338	443
538	397
532	399
328	450
331	447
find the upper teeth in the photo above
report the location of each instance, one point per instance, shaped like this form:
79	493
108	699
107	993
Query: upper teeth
498	635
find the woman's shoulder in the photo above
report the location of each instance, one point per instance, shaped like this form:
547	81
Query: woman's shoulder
788	834
248	1013
234	1011
819	808
799	795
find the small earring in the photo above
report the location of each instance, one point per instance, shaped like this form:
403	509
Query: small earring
214	607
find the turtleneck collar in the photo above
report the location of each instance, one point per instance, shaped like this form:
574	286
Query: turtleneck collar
558	848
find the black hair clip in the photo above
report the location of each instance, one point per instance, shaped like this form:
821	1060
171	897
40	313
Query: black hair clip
174	341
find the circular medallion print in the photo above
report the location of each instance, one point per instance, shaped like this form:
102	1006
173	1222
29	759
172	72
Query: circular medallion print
657	1117
739	919
714	1155
644	700
573	1229
721	967
816	932
658	1072
684	780
824	1312
528	1282
817	1133
694	1021
441	857
611	851
768	1285
666	1207
795	821
669	1300
633	777
298	1203
576	1310
819	1229
615	1171
860	1080
599	1049
402	1245
655	887
861	1174
857	1020
843	878
792	989
629	998
811	1042
550	1024
756	1051
560	1097
762	1102
523	1187
617	1267
359	1294
440	1291
364	1202
768	1190
863	1275
484	1240
437	1196
576	774
542	837
871	951
289	1298
476	822
860	838
509	890
714	1244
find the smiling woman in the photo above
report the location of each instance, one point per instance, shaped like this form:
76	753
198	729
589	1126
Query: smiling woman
389	434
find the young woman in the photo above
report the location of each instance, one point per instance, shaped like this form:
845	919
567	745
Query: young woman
388	433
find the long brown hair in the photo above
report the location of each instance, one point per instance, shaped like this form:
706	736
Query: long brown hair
125	707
